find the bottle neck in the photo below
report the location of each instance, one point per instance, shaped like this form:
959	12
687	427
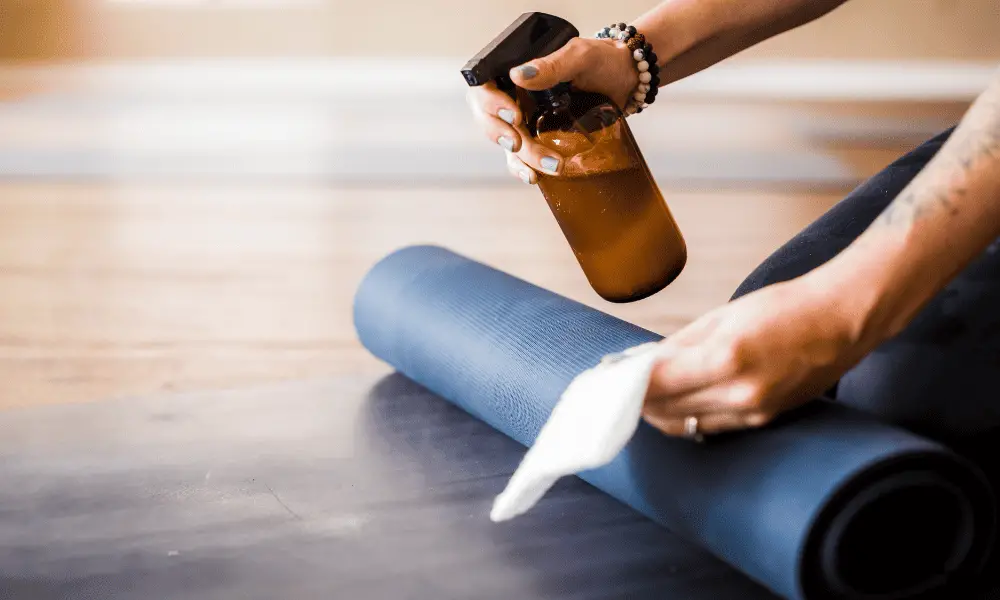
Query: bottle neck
554	97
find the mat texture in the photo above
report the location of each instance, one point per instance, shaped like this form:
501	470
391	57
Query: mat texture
826	503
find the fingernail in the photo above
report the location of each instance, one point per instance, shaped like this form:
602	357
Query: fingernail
550	164
507	115
525	177
528	71
506	143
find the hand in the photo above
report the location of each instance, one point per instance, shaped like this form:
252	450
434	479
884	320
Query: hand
746	362
594	65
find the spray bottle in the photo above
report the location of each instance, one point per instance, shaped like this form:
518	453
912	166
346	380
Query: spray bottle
605	200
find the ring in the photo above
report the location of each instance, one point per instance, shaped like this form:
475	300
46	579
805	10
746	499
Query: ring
691	429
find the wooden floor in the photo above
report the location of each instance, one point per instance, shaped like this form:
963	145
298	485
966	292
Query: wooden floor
110	290
113	287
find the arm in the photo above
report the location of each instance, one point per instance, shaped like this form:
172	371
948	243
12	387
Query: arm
691	35
945	218
745	362
687	35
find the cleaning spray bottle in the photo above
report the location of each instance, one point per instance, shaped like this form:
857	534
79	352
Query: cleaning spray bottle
605	199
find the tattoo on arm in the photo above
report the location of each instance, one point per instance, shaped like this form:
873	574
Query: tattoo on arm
974	145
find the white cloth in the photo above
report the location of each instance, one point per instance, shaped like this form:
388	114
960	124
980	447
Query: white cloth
593	421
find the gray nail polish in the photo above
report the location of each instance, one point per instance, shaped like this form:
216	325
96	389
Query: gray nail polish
506	143
550	164
528	71
525	177
506	114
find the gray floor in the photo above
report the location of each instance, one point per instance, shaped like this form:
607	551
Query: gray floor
353	488
362	488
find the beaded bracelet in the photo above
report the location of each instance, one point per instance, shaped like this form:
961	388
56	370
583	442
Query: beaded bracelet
642	52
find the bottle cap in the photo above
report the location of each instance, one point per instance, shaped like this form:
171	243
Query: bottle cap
531	36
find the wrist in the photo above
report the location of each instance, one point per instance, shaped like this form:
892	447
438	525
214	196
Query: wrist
877	293
641	78
623	75
674	27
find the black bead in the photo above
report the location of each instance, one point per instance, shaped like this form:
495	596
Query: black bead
638	110
607	31
648	48
632	30
654	79
621	26
651	57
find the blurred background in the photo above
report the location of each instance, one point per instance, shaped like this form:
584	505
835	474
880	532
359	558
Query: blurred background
190	190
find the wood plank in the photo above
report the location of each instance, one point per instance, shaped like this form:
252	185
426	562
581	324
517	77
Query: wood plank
111	290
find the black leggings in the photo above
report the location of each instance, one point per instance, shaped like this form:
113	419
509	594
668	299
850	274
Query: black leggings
941	376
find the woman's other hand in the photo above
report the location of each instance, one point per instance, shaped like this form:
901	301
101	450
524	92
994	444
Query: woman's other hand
595	65
746	362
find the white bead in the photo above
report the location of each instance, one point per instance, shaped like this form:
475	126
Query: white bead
639	96
637	55
645	106
643	66
645	77
643	87
599	34
615	31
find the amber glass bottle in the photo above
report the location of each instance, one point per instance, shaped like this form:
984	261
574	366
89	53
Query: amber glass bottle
605	200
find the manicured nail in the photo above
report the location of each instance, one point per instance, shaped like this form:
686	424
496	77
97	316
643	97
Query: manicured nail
506	143
525	177
506	114
550	164
528	71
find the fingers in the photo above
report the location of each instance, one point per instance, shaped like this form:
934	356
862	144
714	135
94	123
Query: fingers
496	113
538	157
721	401
530	159
689	369
501	121
718	408
520	170
562	65
726	397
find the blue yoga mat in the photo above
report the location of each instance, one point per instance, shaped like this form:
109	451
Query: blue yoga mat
826	503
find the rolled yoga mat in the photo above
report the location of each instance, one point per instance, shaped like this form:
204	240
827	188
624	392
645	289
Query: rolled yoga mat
824	504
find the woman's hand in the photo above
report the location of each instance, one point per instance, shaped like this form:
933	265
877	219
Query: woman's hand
593	65
746	362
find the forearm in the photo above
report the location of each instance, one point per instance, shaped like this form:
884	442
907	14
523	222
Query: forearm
690	35
943	220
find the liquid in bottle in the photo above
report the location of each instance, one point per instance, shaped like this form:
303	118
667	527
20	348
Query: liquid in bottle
605	200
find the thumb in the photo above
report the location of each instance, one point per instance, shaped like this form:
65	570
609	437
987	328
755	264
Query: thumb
562	65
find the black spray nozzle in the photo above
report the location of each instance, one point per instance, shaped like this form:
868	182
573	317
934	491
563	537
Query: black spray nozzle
532	35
